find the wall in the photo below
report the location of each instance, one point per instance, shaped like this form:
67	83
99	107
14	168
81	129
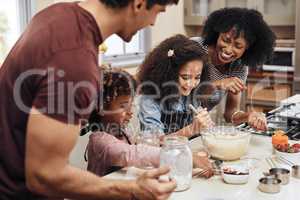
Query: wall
168	24
41	4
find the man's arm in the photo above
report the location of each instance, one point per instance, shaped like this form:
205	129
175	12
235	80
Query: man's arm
48	146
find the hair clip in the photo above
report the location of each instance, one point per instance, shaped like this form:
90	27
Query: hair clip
170	53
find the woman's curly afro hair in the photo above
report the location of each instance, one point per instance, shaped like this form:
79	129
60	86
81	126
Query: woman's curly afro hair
250	23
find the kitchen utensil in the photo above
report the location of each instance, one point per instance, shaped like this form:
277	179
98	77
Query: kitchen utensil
195	111
226	142
280	173
269	185
200	173
217	164
295	168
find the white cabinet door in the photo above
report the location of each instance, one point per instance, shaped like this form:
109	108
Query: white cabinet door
196	11
278	12
237	3
275	12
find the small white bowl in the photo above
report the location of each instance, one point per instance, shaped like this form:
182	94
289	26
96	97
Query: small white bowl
292	157
235	178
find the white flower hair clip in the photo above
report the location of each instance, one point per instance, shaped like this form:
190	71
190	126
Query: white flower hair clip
170	53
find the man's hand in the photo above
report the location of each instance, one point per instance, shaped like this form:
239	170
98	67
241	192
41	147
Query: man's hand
150	188
200	160
233	84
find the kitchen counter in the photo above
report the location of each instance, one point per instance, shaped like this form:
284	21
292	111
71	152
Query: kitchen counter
292	99
215	189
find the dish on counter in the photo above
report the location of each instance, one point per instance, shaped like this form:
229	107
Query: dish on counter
292	157
235	174
280	142
283	148
288	148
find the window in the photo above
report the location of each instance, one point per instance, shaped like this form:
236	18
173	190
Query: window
9	26
120	53
14	15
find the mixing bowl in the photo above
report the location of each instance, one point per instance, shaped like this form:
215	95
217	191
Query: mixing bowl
226	142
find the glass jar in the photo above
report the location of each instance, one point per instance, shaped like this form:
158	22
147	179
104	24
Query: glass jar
149	137
177	155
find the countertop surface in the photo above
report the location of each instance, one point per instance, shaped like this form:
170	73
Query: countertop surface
292	99
215	189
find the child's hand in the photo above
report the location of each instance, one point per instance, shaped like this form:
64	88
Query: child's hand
128	117
202	121
200	160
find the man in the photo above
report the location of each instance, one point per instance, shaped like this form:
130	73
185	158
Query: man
48	83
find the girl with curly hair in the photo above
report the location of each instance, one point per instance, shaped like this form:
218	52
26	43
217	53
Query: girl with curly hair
169	79
234	38
110	146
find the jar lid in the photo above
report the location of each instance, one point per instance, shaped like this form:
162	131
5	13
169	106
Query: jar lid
174	141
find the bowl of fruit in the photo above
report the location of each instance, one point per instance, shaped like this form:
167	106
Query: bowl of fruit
283	148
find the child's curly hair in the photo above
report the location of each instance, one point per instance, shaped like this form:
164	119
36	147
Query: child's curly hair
250	23
116	82
162	65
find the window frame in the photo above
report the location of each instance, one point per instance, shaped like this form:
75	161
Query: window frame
26	12
132	59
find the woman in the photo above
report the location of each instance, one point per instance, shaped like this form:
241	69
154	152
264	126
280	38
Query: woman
235	39
110	147
169	78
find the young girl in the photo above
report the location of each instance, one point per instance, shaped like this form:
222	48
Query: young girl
170	76
110	147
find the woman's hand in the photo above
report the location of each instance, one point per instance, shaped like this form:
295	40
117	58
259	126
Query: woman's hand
201	121
233	84
200	160
257	120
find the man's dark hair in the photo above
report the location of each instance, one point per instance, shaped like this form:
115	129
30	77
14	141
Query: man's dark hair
248	22
124	3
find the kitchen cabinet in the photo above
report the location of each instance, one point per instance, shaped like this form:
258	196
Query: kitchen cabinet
278	12
265	90
296	85
275	12
196	11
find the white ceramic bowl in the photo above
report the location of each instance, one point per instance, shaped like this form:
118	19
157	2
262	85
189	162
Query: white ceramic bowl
235	178
292	157
226	142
